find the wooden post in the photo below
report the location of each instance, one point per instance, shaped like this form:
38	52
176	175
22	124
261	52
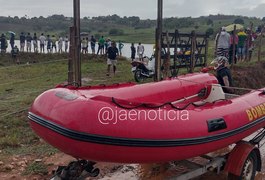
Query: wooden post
259	47
249	41
71	56
260	40
175	52
206	50
234	46
193	50
158	41
166	63
77	49
216	42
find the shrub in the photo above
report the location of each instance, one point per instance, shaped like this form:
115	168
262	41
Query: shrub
114	32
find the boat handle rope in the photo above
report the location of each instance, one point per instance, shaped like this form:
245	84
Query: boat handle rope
158	106
201	94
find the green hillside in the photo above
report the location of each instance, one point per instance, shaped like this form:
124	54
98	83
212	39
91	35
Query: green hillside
127	29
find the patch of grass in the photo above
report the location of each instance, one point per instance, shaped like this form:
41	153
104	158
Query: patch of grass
35	149
38	168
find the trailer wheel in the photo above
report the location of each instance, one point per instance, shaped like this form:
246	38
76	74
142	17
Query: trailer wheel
249	169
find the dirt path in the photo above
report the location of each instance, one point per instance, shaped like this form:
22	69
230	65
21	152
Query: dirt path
109	171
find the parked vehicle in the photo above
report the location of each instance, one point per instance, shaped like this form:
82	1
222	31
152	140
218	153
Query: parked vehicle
143	69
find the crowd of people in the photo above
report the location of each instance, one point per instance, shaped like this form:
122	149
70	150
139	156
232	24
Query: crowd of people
53	44
29	43
231	48
239	43
103	45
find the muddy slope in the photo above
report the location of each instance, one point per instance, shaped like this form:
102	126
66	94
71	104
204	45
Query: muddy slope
249	76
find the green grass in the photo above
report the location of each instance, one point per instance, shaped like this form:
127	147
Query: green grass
38	168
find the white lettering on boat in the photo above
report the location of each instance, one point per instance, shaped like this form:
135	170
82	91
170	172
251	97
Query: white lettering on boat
113	115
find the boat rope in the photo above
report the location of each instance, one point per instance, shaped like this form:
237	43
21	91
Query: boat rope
146	105
201	94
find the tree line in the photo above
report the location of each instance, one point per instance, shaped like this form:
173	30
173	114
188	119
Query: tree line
114	24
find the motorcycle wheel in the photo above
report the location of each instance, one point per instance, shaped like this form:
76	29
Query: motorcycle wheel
138	76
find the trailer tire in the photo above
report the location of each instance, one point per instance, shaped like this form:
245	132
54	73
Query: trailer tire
249	169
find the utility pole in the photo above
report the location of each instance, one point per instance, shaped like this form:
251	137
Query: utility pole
158	40
74	62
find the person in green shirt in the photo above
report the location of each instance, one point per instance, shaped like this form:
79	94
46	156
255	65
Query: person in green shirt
101	44
53	40
242	36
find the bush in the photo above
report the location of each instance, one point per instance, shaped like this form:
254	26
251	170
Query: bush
114	32
239	21
210	31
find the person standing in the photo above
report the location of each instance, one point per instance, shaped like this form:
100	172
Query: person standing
42	39
60	45
83	46
66	44
222	41
107	44
101	42
49	44
12	41
140	51
121	45
133	52
28	39
22	39
249	44
112	54
87	45
233	47
4	44
93	44
14	53
242	36
53	41
35	43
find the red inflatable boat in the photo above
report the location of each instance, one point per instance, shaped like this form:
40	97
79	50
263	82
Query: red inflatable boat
154	122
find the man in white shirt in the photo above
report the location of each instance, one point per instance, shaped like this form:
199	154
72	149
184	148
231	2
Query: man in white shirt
140	51
42	39
222	41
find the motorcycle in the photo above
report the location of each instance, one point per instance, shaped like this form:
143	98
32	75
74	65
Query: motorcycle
143	69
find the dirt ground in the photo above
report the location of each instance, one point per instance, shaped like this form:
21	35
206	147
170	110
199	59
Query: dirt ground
109	171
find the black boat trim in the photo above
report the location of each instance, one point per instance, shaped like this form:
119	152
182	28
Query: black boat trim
118	141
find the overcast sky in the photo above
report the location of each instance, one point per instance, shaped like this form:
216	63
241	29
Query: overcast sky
143	8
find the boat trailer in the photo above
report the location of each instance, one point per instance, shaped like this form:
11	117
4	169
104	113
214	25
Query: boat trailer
242	162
